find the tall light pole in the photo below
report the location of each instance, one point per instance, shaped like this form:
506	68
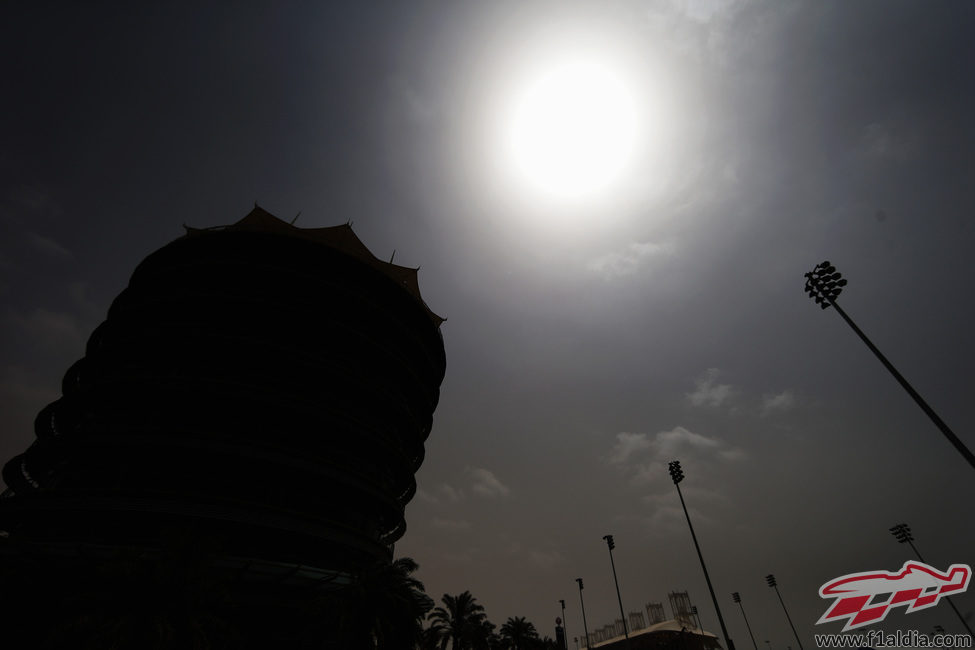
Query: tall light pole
611	545
565	628
677	474
695	613
902	532
770	579
737	597
585	627
824	284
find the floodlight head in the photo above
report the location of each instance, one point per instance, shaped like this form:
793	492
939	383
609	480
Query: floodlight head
824	284
609	541
736	596
676	474
770	579
579	580
902	532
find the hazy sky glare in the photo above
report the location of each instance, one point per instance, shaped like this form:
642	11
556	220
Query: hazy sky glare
586	346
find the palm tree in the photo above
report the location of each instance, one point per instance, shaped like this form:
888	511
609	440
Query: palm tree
461	622
519	633
397	603
382	608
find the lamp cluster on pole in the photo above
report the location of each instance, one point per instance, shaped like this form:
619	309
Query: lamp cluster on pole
677	475
737	598
565	627
611	544
585	628
824	284
770	579
902	533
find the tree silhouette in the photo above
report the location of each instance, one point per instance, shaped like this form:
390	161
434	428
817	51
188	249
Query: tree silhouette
396	603
383	608
462	623
518	633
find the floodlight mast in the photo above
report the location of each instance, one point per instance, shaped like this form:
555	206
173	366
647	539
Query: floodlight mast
770	579
611	545
677	475
824	285
902	533
565	627
737	598
585	628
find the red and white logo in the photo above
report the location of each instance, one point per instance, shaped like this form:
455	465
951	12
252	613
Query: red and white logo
867	597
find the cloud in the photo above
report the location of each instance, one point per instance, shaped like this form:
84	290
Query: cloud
21	386
779	402
671	442
49	247
450	524
545	560
883	141
628	260
51	329
703	10
35	199
663	445
709	392
423	495
648	455
452	494
417	107
627	444
465	556
485	483
733	454
88	308
696	493
667	515
443	492
669	518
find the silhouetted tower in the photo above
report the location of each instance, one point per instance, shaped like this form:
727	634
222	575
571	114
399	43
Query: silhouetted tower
264	387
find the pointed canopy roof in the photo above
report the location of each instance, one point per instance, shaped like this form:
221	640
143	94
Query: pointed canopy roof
340	238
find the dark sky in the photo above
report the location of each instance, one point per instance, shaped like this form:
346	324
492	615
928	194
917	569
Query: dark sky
587	343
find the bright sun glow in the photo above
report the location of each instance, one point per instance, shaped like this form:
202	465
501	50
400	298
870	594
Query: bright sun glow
571	130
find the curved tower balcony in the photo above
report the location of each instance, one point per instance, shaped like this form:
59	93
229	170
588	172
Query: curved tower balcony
266	386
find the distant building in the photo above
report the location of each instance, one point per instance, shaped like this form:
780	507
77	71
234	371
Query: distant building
655	613
680	605
637	621
678	633
666	635
258	399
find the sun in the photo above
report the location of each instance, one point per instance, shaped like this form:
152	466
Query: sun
570	130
